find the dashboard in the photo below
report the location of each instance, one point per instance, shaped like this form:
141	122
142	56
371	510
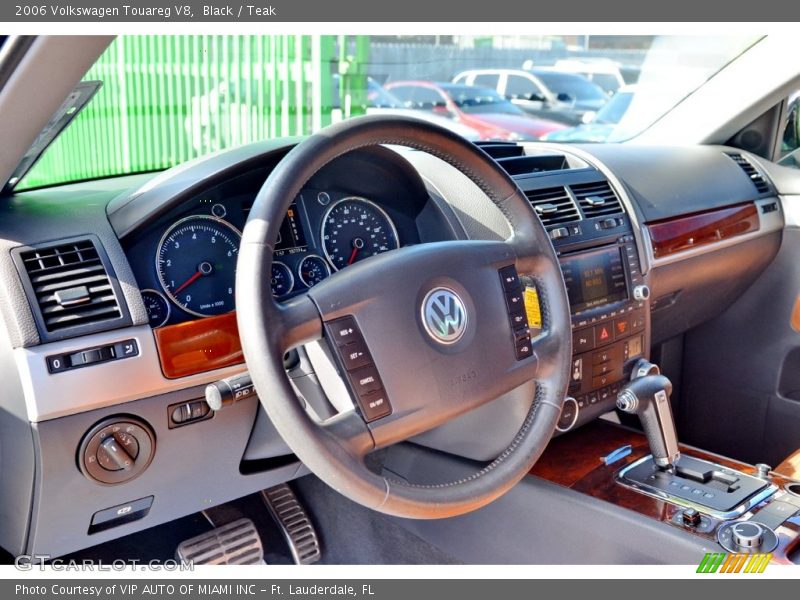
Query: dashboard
165	246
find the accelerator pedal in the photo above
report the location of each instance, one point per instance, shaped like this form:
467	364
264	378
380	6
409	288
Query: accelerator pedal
297	528
236	543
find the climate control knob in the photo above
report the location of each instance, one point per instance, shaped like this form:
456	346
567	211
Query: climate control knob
641	292
116	450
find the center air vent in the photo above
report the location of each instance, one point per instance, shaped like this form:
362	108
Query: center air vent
553	205
750	170
70	288
596	199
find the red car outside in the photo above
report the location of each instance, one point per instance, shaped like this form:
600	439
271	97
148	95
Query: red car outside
482	109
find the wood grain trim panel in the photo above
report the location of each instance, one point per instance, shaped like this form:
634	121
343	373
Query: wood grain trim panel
199	346
686	232
574	460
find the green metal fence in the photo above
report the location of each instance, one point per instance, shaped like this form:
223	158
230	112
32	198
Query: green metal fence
167	99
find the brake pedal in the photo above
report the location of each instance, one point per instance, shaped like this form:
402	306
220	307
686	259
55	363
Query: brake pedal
236	543
297	528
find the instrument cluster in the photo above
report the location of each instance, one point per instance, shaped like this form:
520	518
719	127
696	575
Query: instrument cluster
186	262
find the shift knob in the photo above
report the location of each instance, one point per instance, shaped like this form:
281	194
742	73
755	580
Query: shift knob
648	397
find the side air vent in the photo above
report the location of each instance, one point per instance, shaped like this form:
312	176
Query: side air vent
553	205
596	199
750	170
70	288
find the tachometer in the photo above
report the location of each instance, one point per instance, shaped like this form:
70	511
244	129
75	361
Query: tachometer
356	228
196	265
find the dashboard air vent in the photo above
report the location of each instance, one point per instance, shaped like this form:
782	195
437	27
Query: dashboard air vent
70	285
596	199
498	150
553	205
750	170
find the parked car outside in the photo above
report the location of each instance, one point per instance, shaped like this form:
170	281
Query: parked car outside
602	71
602	125
221	117
546	93
483	109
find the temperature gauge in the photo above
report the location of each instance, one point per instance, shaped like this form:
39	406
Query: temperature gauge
313	269
156	306
282	280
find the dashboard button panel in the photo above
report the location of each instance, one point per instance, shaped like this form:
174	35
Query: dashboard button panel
58	363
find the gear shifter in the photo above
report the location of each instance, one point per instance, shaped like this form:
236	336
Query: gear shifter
647	395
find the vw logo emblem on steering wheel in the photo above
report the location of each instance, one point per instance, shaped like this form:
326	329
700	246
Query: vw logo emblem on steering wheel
444	315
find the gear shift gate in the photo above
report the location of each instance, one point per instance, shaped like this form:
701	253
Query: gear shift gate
709	487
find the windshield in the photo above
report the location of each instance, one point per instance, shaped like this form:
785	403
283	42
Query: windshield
614	109
576	86
167	99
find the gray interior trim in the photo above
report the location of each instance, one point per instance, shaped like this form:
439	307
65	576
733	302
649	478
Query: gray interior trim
108	384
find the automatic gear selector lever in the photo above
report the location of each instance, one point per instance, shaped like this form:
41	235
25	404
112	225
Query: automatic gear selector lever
647	395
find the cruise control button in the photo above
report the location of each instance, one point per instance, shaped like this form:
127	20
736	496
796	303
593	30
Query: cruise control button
344	331
375	405
355	355
365	380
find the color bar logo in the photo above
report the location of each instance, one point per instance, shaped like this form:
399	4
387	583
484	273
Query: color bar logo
720	562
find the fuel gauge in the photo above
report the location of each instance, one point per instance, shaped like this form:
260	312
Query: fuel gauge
313	269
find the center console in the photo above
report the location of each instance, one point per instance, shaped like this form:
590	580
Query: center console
610	312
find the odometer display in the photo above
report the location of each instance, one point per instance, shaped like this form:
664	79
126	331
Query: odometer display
196	265
354	229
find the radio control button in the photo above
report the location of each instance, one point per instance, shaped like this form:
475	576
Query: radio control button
583	340
509	278
515	301
519	320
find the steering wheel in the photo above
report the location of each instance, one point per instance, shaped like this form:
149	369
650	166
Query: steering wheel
434	320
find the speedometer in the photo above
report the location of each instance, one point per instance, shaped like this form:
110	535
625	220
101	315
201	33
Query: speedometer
354	229
196	265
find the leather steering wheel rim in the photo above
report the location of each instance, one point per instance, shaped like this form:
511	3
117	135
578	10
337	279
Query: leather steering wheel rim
335	450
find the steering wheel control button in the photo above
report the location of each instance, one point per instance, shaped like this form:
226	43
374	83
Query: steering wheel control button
517	315
375	405
344	331
444	315
357	362
116	450
510	278
355	355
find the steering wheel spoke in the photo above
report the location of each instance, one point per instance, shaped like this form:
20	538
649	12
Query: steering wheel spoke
297	322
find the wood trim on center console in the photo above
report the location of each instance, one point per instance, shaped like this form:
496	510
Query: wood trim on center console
574	460
686	232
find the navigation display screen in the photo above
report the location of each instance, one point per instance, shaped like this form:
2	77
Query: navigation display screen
291	237
595	279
